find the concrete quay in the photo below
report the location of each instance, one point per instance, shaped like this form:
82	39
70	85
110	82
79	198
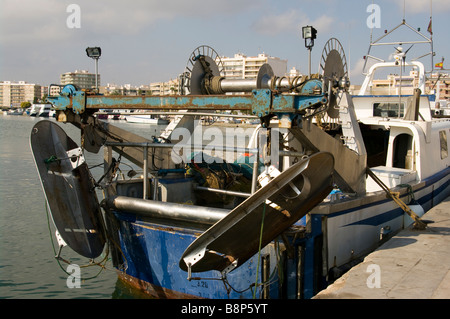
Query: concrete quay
411	265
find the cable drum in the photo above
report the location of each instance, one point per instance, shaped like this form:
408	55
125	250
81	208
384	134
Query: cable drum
334	72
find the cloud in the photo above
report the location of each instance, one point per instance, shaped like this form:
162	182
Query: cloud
32	23
323	23
357	69
132	17
28	20
290	21
36	42
423	6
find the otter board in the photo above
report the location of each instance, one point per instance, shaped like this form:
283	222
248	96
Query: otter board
68	188
276	206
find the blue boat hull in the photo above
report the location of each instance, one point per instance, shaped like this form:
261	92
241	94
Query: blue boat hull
150	253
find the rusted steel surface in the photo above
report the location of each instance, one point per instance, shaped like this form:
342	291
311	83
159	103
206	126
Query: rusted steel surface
153	291
171	102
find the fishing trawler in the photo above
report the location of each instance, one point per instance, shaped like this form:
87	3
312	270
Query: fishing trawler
279	217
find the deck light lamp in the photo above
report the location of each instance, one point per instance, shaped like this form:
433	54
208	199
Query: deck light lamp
309	33
95	53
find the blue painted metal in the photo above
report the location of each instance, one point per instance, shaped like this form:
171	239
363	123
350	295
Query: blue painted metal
70	97
312	87
197	102
267	102
260	102
60	102
152	254
69	89
79	102
311	264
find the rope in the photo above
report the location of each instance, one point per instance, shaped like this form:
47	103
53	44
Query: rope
51	159
410	190
395	196
102	266
259	249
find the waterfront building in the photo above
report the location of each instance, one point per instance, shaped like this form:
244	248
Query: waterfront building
239	67
12	94
391	85
126	89
80	78
246	67
164	88
54	90
44	91
293	72
436	83
439	83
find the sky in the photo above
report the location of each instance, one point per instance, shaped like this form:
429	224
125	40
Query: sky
146	41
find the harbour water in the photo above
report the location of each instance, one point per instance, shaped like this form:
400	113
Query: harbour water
28	268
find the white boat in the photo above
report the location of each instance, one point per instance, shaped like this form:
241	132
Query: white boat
41	110
34	110
18	111
145	119
45	110
406	149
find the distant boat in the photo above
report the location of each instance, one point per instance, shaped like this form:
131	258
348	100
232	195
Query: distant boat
109	115
44	110
146	119
103	115
15	112
41	110
33	110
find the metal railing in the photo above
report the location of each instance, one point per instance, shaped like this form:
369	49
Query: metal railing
147	145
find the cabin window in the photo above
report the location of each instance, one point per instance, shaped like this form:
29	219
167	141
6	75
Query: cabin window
443	142
388	109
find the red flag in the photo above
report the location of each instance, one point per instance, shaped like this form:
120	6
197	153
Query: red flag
429	28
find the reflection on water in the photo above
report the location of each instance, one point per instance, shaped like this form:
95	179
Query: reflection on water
28	268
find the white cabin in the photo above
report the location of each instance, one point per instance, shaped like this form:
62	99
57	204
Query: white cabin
403	145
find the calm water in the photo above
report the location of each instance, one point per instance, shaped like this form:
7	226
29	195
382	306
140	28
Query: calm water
28	268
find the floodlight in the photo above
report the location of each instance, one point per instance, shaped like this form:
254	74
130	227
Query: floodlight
309	34
94	52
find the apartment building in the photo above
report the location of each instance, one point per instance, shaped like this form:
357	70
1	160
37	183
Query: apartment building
80	78
239	67
12	94
126	89
164	88
439	83
54	90
246	67
392	84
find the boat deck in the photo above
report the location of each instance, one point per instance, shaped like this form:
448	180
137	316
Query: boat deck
411	265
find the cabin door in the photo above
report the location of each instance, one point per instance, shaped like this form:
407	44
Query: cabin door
403	155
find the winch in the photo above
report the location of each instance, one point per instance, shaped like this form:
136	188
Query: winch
204	88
